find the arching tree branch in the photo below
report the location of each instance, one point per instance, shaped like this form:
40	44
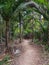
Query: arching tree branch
36	6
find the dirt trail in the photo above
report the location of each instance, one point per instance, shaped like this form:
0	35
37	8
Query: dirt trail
32	55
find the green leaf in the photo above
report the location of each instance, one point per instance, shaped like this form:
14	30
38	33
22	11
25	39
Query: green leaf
1	6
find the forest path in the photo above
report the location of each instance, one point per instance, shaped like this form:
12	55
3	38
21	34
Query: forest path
31	55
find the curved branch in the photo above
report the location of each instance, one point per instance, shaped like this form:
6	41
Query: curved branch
40	9
35	5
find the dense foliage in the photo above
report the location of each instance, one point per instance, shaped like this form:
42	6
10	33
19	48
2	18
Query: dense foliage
28	21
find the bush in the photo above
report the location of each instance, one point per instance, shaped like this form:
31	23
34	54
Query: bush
5	60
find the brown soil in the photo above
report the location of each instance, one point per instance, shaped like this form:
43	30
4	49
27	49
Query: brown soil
31	55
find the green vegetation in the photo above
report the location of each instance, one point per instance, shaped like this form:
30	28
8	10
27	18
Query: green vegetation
5	60
27	19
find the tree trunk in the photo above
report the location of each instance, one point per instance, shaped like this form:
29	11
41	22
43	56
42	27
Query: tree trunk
1	37
48	33
20	21
7	34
